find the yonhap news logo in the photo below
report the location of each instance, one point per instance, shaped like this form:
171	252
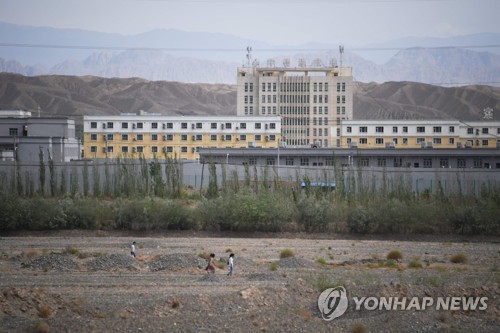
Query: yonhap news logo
333	303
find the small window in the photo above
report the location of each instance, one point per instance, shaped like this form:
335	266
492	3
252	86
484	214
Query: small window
109	124
363	129
421	129
140	137
124	137
436	129
213	126
184	125
93	124
154	137
452	129
184	137
199	125
184	149
154	125
405	129
379	141
93	137
124	125
349	128
170	125
394	129
125	149
140	125
228	125
258	125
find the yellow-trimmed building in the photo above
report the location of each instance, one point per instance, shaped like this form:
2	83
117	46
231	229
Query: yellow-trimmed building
152	135
419	134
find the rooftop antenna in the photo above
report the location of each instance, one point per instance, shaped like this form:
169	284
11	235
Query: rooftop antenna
249	55
341	50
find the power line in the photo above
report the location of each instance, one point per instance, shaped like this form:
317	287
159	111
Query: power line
190	49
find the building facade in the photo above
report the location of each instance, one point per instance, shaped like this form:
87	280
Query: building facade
419	134
149	135
23	137
312	101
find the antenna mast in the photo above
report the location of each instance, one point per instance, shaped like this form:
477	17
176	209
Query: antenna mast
249	55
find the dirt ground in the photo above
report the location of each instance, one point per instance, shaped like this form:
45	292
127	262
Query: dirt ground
87	282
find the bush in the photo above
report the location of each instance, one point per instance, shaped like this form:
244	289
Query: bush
321	261
415	264
273	266
286	253
395	255
459	258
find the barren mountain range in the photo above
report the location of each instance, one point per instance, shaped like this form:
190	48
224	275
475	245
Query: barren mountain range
89	95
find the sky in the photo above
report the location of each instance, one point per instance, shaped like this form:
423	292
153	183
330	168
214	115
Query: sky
279	22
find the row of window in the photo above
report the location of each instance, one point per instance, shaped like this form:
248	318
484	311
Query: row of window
427	163
419	141
154	125
295	86
184	137
421	129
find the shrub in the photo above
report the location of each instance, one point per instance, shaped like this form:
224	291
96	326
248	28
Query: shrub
44	311
175	304
395	255
321	261
273	266
71	250
285	253
359	328
459	258
41	327
415	264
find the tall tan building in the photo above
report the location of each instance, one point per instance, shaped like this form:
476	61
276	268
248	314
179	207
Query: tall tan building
312	101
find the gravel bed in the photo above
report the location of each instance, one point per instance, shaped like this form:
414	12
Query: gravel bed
176	261
111	261
293	262
53	261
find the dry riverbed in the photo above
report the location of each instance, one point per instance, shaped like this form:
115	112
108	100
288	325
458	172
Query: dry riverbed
87	282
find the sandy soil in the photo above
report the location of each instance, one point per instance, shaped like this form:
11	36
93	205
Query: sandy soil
101	293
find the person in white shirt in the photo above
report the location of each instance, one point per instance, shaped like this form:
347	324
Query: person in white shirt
230	265
132	250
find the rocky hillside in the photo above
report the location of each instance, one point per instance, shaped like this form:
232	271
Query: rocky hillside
90	95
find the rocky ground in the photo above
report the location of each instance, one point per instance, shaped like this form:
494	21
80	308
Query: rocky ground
87	282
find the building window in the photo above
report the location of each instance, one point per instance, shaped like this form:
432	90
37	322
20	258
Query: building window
213	125
154	149
363	141
338	86
93	137
485	130
394	129
243	137
381	162
252	161
451	141
258	125
199	137
272	125
258	137
379	129
405	129
93	149
485	142
270	161
154	137
363	129
436	141
436	129
110	149
470	130
272	137
140	137
228	137
461	163
124	125
13	131
263	86
405	141
184	137
199	125
109	137
140	125
348	129
427	163
289	161
125	149
364	162
170	125
443	163
246	87
169	137
169	149
93	124
478	163
304	161
379	141
228	125
452	129
109	124
251	87
343	86
398	162
420	129
184	149
154	125
213	137
243	125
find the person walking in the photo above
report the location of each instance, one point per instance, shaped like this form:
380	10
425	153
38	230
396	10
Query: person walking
230	265
132	250
211	264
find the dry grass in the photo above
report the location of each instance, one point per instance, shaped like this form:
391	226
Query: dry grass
273	266
71	250
44	311
459	258
175	304
359	328
286	253
395	255
31	254
41	327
